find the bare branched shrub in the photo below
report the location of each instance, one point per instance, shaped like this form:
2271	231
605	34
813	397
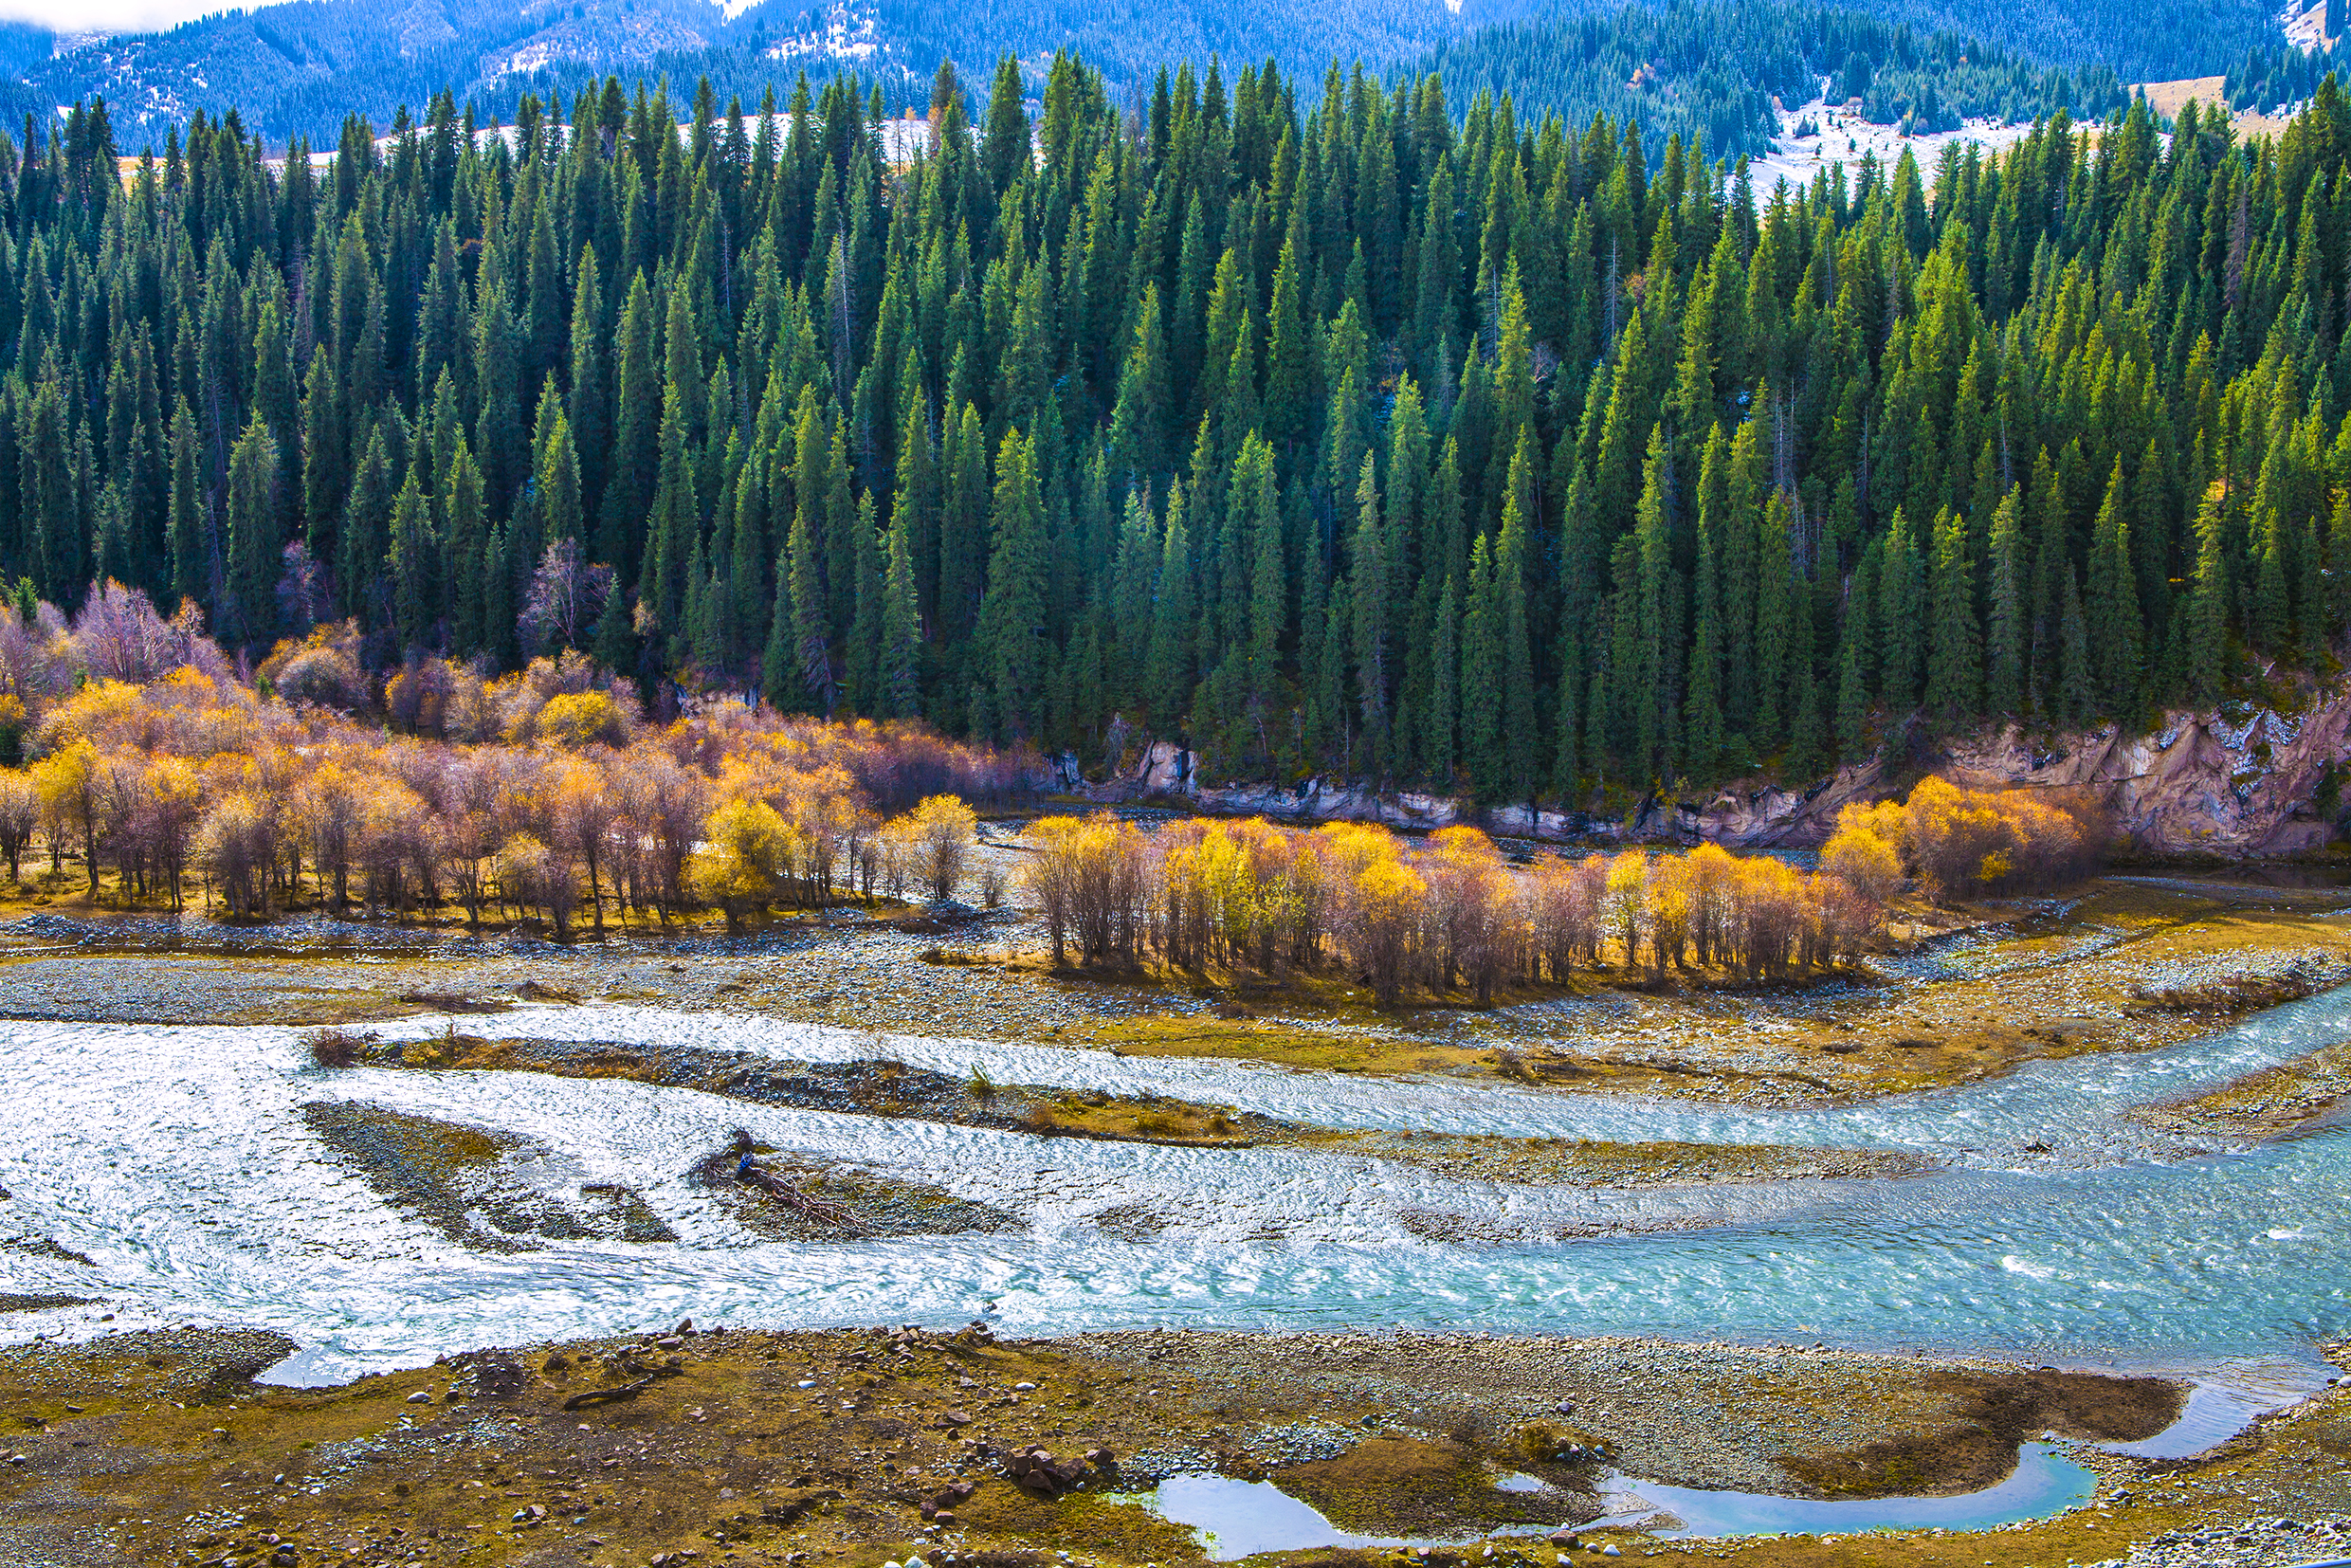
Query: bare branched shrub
334	1048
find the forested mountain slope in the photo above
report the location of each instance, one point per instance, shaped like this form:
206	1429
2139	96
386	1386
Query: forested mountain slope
1369	440
2137	42
302	66
1710	69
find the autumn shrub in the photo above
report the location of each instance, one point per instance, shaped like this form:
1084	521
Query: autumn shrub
1086	877
333	1047
1961	843
1383	928
323	677
1865	852
582	719
942	830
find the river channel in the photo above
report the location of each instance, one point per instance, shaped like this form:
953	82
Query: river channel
170	1174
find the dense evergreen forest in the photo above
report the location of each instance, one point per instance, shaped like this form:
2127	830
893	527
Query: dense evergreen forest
2268	79
1707	71
1433	448
2138	43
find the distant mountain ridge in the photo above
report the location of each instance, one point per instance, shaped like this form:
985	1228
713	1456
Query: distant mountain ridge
298	68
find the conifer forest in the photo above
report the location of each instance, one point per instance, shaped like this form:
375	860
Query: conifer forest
1331	427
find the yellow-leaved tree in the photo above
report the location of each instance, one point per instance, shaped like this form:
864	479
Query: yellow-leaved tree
738	867
943	832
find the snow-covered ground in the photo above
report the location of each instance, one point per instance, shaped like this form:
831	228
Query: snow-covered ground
2305	28
1843	140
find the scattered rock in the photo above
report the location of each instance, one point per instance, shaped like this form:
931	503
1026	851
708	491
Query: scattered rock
1039	1471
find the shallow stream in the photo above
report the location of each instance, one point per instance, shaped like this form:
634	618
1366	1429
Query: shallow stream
178	1162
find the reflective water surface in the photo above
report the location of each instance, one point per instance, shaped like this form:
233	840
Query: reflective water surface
1236	1519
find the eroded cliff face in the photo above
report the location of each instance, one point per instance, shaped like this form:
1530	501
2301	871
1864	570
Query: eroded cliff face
2237	783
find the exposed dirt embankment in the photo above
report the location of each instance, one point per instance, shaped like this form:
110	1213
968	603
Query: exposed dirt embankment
2237	782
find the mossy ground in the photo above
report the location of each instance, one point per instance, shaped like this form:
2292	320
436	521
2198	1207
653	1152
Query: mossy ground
145	1453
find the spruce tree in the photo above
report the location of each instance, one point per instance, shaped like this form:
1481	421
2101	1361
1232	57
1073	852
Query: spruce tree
2268	615
1903	634
1012	613
807	666
1437	738
1367	594
1954	651
2207	665
1133	575
1773	610
616	639
367	534
779	665
253	540
1167	672
2077	689
638	408
1004	143
2115	634
672	528
590	389
1480	681
2006	630
1287	351
1137	438
464	539
2051	565
326	456
963	525
864	646
497	606
185	527
1268	586
898	672
414	559
1521	744
1701	725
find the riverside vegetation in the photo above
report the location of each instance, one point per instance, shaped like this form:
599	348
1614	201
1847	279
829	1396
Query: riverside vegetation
268	802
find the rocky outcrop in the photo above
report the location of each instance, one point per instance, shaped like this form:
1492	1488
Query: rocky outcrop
2236	782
